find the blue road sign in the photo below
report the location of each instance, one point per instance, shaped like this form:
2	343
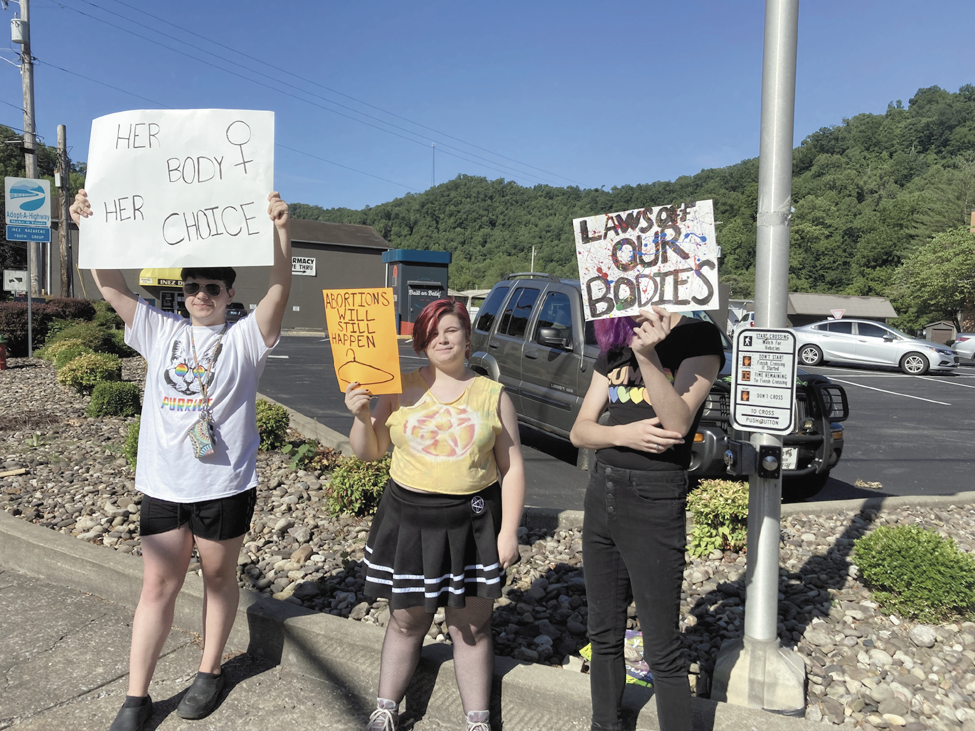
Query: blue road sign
28	233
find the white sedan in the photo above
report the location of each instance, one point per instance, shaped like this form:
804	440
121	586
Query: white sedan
871	343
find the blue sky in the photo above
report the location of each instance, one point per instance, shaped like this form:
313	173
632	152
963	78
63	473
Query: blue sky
560	93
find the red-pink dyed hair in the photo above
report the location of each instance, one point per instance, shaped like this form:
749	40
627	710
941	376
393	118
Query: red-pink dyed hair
425	327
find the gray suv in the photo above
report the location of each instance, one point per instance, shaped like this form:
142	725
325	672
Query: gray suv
531	335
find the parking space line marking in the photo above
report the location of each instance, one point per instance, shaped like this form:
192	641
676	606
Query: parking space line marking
893	393
279	356
951	383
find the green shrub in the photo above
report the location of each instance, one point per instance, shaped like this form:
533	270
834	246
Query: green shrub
50	352
720	510
114	398
66	355
357	486
55	326
130	450
108	320
916	573
89	334
117	338
272	424
301	454
85	371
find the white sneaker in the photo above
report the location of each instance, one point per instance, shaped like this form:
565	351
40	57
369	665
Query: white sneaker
479	721
384	718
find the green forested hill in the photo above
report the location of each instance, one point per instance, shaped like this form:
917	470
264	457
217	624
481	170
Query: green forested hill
866	193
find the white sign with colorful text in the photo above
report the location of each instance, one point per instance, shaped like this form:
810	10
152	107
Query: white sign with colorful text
665	256
177	188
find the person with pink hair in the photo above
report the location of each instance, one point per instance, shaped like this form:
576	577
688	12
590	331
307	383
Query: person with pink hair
447	527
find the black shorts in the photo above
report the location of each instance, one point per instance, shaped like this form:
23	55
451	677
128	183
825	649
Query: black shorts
214	520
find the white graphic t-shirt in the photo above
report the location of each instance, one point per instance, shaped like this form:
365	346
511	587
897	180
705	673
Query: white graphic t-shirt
167	469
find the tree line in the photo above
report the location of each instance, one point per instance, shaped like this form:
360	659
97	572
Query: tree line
869	195
882	207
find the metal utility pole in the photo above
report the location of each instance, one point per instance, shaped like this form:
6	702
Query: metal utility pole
757	671
64	225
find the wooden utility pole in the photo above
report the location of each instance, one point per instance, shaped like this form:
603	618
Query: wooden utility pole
64	225
30	141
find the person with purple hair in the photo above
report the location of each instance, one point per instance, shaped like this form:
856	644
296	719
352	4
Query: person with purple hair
653	373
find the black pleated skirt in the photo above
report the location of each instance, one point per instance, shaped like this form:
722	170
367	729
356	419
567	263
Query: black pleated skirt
433	550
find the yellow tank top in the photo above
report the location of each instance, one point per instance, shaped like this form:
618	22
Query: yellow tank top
446	448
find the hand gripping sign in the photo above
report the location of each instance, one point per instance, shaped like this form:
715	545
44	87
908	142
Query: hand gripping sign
362	331
179	188
665	256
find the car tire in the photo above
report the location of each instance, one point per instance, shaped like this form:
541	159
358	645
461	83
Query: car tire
797	489
810	355
915	364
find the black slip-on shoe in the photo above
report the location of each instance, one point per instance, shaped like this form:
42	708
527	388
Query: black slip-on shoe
201	698
132	719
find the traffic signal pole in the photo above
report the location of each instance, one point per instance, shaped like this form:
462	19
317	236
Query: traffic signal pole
757	671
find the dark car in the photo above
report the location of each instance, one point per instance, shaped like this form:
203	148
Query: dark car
235	312
531	335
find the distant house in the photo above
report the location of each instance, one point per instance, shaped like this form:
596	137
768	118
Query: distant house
804	309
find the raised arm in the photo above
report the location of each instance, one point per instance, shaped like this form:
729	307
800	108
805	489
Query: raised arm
370	435
110	282
270	310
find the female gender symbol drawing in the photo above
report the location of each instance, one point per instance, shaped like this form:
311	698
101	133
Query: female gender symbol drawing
239	136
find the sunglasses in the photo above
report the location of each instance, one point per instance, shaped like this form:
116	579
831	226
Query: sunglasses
192	288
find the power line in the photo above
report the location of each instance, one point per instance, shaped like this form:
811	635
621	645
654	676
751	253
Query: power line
490	164
283	147
335	91
293	96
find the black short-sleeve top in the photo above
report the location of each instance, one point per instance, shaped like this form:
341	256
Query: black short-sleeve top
629	401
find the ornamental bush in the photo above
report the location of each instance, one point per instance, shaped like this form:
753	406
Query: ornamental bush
50	352
71	308
114	398
87	370
108	320
917	573
720	512
13	324
90	335
68	354
131	447
356	486
118	346
54	327
272	424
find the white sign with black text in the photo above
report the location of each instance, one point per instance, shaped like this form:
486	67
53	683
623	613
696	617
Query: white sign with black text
303	266
178	188
763	381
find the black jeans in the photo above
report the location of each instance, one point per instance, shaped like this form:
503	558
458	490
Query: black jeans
633	542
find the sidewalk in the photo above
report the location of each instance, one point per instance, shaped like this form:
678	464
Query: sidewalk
66	608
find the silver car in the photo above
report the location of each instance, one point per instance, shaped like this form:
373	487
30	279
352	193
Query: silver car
872	343
964	346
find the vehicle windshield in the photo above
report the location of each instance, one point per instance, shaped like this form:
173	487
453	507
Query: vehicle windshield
901	334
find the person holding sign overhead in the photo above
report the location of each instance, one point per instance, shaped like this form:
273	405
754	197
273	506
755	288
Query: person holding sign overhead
654	373
445	530
197	455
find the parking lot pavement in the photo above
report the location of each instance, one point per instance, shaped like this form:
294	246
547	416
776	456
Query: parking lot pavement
909	434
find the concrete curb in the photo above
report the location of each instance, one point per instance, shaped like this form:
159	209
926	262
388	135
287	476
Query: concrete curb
346	653
311	429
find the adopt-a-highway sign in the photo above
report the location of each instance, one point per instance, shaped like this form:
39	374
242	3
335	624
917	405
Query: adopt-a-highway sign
763	381
27	202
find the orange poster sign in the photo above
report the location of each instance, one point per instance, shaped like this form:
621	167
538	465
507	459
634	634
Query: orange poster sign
362	330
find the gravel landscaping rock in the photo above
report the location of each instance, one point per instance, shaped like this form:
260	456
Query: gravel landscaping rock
864	668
